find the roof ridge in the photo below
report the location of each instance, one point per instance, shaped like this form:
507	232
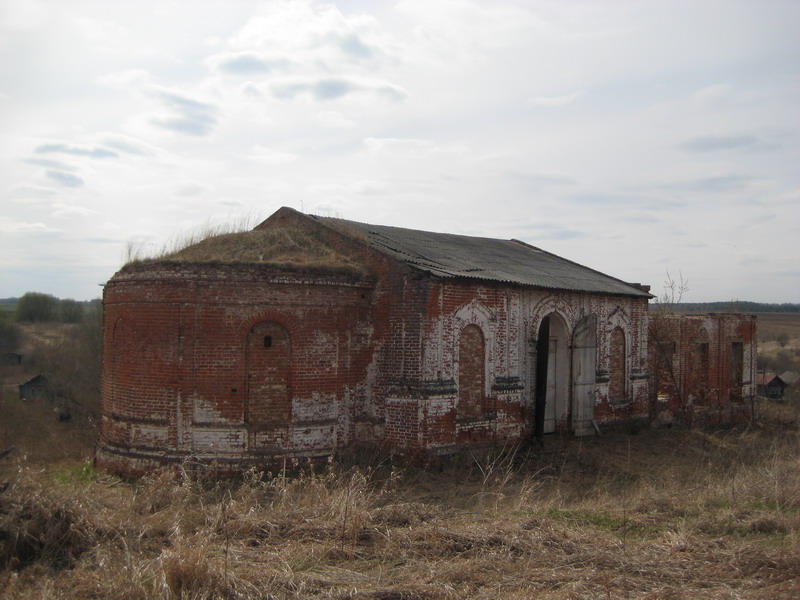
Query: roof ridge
453	255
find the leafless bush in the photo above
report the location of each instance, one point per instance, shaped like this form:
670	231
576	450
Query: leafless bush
46	525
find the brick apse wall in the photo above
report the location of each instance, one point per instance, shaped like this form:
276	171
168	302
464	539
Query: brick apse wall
240	365
230	363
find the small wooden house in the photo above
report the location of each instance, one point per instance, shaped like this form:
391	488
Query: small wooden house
34	388
770	385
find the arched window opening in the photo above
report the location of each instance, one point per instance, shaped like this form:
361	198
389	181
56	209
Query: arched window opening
268	370
737	371
471	372
699	368
617	367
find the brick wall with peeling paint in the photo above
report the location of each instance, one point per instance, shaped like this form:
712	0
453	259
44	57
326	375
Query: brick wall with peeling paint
509	318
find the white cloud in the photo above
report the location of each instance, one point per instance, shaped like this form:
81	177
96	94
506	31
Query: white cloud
555	100
470	26
399	146
22	15
313	34
101	31
191	188
268	155
125	79
712	95
131	145
333	88
411	147
247	63
186	115
335	119
30	191
62	178
61	210
61	148
715	143
10	226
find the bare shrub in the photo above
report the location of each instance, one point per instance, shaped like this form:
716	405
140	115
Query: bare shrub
46	525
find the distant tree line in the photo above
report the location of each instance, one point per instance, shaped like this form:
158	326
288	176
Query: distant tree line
35	307
737	306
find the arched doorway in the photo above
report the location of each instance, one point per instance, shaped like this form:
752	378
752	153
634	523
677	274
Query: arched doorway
584	365
551	406
269	408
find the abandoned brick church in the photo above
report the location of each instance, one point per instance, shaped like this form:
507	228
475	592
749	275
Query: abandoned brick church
309	335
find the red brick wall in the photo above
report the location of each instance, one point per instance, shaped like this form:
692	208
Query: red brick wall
710	373
509	319
187	375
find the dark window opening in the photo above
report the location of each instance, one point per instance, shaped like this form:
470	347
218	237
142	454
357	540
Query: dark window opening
617	367
737	370
700	372
542	364
667	350
267	341
665	383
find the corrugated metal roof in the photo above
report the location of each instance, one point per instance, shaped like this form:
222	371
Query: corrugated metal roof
507	261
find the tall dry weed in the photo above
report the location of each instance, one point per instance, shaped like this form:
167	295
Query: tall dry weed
43	524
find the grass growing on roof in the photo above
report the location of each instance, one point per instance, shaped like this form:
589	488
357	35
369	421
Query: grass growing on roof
285	247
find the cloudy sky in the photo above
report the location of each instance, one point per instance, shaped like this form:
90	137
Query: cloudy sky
634	137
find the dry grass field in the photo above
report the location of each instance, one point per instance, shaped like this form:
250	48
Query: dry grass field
653	514
779	342
771	325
